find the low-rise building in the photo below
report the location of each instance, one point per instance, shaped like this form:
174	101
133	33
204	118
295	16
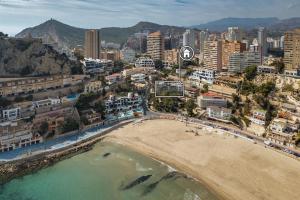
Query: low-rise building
46	103
11	113
219	113
258	117
93	86
292	73
203	75
17	134
263	69
54	118
144	62
191	92
23	86
283	132
96	66
211	99
138	78
114	78
171	56
123	104
138	70
91	116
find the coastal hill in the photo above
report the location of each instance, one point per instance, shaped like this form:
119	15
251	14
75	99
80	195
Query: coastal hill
54	31
29	57
273	24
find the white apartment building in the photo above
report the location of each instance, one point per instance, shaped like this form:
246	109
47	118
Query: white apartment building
122	104
138	78
258	117
219	113
92	66
203	75
144	62
11	114
264	69
46	102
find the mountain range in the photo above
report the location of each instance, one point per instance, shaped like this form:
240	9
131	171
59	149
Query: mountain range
70	36
64	34
251	23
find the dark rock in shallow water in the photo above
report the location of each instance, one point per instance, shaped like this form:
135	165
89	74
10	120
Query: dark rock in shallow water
137	182
150	188
106	155
171	175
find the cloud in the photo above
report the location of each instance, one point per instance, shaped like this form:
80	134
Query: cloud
107	13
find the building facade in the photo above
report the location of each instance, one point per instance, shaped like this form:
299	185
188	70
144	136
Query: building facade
92	44
212	55
211	99
155	46
292	49
228	48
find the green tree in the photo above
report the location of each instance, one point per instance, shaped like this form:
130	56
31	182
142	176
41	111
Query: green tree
69	125
266	88
19	99
279	65
84	120
250	73
43	129
190	106
100	107
205	88
159	64
4	102
29	98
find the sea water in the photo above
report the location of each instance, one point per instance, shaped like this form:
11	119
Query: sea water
108	172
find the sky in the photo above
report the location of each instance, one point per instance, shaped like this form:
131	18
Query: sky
16	15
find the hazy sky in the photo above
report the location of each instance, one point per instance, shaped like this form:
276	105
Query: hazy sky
18	14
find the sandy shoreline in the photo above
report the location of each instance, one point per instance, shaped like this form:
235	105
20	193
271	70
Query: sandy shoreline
235	169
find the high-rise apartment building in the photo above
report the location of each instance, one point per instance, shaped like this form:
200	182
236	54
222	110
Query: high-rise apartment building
189	38
239	61
212	55
262	41
234	34
92	44
292	49
228	48
155	46
203	36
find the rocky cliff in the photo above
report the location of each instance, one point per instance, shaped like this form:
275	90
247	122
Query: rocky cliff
29	57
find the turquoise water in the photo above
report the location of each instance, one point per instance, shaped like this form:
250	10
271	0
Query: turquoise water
92	176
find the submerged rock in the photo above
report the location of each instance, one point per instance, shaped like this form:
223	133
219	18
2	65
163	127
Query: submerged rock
106	155
171	175
136	182
150	188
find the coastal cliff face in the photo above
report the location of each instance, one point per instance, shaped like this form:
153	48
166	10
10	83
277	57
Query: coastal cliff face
29	57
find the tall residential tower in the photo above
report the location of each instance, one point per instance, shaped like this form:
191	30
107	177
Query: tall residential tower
292	49
92	44
155	46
